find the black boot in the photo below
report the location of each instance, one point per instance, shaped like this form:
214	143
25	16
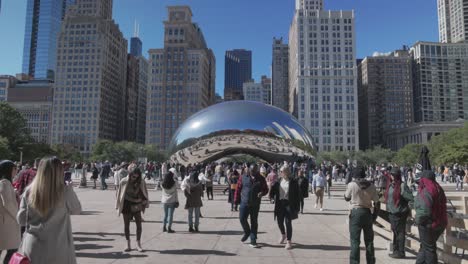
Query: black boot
164	229
196	229
191	229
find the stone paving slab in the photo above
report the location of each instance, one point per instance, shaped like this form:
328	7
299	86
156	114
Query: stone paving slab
318	237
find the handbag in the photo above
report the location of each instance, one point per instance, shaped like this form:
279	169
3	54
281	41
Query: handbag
135	208
19	258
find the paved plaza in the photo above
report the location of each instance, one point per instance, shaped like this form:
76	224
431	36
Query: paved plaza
319	237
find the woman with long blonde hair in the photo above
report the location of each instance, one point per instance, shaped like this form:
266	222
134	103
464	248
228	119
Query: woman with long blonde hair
45	210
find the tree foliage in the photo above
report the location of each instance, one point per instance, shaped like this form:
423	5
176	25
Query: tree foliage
450	147
13	127
125	151
4	148
408	155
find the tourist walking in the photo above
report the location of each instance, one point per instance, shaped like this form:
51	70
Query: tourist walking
431	216
121	173
209	184
233	180
193	190
26	177
287	197
304	188
319	183
105	171
363	199
95	174
9	227
132	200
45	210
250	190
169	200
397	198
271	178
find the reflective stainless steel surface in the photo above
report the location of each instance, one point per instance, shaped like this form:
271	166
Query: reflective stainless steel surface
245	127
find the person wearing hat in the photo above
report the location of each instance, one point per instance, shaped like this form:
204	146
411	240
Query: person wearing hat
363	199
9	229
397	197
430	205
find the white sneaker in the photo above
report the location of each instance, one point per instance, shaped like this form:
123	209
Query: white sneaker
315	206
321	209
288	245
283	238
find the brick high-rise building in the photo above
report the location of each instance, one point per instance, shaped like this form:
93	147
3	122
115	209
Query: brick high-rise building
323	75
237	71
279	70
385	96
90	78
181	77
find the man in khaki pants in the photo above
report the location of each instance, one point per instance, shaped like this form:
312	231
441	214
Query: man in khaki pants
318	184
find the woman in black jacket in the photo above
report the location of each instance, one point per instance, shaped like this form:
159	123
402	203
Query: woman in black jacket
304	186
286	193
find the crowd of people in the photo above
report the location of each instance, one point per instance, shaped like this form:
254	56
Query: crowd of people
37	201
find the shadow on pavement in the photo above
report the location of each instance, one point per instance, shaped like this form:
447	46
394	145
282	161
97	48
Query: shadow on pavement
90	239
225	233
222	217
323	213
90	246
91	212
108	255
196	252
160	222
97	234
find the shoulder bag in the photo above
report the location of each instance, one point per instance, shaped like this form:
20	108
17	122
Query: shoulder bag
19	258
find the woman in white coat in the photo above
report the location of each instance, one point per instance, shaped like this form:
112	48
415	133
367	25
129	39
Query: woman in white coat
9	227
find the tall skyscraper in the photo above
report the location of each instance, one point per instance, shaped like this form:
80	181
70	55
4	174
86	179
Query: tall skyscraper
280	67
136	92
182	77
131	98
385	87
90	78
453	20
43	21
237	71
322	75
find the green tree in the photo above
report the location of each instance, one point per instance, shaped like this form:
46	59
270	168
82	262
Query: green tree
67	152
442	145
454	153
4	148
153	154
13	127
408	155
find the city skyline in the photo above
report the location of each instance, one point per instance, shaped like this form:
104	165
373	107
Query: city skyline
225	35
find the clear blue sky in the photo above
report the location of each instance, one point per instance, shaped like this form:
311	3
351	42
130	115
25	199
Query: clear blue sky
381	25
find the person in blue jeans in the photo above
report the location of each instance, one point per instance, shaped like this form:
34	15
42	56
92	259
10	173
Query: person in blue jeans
250	190
192	188
169	200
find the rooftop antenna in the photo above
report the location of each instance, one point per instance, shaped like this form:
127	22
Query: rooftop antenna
136	29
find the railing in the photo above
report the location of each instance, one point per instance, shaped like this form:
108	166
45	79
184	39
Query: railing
452	243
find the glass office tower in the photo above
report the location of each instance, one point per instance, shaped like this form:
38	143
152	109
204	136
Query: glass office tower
43	21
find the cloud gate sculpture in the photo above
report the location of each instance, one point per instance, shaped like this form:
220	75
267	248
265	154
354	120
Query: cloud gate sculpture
240	127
